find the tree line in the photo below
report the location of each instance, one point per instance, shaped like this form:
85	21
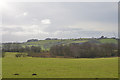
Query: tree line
16	47
83	50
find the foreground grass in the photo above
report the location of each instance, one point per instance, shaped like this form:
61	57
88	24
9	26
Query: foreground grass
60	67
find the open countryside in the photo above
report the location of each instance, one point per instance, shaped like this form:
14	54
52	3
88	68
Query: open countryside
59	40
58	67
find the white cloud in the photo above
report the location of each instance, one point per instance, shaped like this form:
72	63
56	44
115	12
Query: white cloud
21	14
96	26
74	20
20	30
25	13
46	21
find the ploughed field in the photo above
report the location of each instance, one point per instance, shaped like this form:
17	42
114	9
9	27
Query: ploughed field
31	67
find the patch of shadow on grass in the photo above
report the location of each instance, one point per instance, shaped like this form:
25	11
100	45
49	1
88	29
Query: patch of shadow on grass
16	74
34	74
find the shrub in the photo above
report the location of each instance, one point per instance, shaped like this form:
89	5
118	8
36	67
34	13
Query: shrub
18	55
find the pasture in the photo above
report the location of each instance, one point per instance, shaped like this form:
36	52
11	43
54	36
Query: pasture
46	44
59	67
108	41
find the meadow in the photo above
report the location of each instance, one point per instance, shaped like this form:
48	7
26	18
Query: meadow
24	67
59	67
46	44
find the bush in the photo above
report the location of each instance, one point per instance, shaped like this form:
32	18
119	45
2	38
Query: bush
3	54
21	55
18	55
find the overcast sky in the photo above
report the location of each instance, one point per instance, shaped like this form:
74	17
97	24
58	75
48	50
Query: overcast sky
23	21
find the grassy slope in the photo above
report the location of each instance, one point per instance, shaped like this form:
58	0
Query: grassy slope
46	44
60	67
108	41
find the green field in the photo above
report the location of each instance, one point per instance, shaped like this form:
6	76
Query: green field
108	41
46	44
59	67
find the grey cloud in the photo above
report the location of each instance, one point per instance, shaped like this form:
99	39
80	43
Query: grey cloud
58	28
12	29
62	15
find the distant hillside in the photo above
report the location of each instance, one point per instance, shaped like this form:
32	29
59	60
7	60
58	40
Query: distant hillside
46	44
108	41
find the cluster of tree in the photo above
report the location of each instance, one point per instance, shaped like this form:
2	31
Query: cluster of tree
51	39
90	49
84	50
32	40
15	47
32	51
11	47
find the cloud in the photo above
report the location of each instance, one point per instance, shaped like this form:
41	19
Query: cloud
21	15
46	21
61	20
96	26
25	13
20	30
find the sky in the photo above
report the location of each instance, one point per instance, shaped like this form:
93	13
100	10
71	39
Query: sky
39	20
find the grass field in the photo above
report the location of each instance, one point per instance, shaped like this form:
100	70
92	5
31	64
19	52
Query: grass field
46	44
59	67
108	41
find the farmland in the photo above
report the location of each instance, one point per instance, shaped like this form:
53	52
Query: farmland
59	67
51	67
59	40
46	44
108	41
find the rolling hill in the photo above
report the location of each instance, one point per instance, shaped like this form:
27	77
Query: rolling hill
46	44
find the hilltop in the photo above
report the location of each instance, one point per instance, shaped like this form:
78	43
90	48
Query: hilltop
46	44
